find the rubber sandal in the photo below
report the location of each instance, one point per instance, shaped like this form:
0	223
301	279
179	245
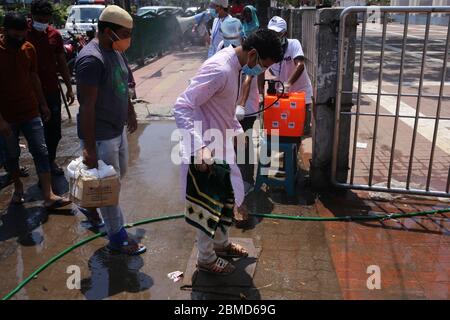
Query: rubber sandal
129	247
233	250
93	218
280	174
24	172
60	203
17	199
225	267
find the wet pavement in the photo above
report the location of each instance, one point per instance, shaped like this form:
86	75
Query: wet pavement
294	262
298	260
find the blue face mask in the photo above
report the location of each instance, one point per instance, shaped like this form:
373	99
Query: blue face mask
213	12
41	27
231	42
256	70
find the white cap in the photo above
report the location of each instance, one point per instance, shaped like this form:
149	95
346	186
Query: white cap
277	24
117	15
222	3
231	28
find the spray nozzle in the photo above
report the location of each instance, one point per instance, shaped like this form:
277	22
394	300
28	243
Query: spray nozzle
272	88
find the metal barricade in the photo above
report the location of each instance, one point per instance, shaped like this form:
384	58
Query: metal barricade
391	120
308	40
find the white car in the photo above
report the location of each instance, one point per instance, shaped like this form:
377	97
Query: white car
159	10
83	17
191	11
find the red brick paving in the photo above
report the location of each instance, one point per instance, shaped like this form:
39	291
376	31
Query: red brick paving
413	254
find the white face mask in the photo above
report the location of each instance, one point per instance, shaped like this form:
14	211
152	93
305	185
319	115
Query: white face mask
41	27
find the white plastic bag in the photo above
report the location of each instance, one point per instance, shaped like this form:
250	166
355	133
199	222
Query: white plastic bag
77	168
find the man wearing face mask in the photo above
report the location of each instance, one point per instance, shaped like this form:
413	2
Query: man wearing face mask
291	71
208	104
51	61
218	10
22	109
248	104
105	108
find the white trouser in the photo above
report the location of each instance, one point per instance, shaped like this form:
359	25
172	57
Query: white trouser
206	245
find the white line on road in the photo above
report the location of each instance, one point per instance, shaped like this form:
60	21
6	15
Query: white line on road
420	37
408	83
417	55
425	126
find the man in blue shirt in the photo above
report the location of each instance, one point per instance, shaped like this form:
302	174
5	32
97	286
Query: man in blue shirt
105	109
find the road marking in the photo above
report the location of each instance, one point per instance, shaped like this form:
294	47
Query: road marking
410	83
411	54
425	126
428	53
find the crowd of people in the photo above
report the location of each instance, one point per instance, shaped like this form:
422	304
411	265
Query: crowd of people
31	57
225	94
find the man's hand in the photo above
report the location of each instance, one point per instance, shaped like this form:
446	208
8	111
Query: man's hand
132	121
204	155
90	158
70	96
5	129
45	113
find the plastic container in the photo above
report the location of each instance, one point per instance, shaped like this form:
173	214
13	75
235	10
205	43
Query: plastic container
286	118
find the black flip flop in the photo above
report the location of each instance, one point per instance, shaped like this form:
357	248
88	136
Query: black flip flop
121	249
17	199
24	172
60	203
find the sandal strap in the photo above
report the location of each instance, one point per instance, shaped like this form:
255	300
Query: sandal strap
221	263
236	248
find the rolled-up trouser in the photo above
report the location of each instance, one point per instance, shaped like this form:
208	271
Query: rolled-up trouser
206	245
52	128
113	152
33	131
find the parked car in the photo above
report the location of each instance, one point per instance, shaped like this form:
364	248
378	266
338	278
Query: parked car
160	10
83	17
191	11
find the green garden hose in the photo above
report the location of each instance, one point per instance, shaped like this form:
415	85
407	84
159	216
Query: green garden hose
178	216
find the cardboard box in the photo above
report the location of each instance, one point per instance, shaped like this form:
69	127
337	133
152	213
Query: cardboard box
95	193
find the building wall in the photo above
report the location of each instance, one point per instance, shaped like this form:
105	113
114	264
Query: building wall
436	19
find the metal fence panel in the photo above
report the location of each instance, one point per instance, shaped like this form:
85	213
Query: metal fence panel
153	35
308	40
386	121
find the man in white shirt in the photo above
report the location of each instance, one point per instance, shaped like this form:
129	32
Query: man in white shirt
219	11
291	71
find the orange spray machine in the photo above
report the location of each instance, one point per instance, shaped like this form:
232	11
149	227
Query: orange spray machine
284	113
